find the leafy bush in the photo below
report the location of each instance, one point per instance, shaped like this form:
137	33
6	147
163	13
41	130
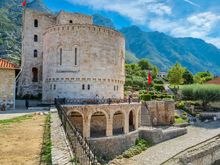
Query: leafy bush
129	76
154	97
147	97
184	113
151	92
125	88
159	87
158	81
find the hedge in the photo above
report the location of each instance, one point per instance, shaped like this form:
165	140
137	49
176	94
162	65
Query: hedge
147	97
159	88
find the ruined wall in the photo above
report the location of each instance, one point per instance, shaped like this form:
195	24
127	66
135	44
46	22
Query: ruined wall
26	84
162	111
77	18
7	87
100	62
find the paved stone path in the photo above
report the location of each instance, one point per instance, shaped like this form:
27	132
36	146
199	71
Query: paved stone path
61	153
17	113
161	152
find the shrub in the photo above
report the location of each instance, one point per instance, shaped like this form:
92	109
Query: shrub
177	116
197	113
154	97
151	92
184	113
158	81
125	88
159	99
147	97
159	88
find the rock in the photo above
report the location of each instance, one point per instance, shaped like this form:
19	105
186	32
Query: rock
206	121
34	118
41	113
42	124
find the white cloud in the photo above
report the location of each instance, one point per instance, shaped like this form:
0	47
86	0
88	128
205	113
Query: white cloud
137	10
191	3
197	26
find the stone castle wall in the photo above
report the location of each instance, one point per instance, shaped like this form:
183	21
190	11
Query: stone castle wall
65	17
99	63
26	84
7	84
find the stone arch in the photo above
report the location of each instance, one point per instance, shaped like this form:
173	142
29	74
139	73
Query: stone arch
98	123
118	122
132	120
35	74
77	119
60	50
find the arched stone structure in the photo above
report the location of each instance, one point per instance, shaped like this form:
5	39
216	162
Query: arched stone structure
108	110
118	125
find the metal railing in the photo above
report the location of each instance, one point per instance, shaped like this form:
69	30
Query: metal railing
35	103
78	144
84	101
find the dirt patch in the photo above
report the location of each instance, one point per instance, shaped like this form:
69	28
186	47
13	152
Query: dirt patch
21	143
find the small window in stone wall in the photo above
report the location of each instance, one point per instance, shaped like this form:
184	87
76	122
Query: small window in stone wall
35	75
54	87
71	21
35	53
51	87
83	87
88	87
114	88
35	23
117	88
35	38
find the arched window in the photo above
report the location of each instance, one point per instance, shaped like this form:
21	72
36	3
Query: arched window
35	74
35	53
75	56
88	87
117	88
61	54
71	21
114	88
35	38
83	87
35	23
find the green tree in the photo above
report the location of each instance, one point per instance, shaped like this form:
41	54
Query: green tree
205	76
135	67
155	72
128	68
197	79
205	93
144	64
188	77
138	73
129	82
175	74
143	73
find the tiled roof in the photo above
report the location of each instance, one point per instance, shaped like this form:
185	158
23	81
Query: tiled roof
215	81
7	64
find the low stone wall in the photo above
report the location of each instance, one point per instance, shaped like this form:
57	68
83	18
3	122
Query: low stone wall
205	155
208	114
9	104
114	145
159	135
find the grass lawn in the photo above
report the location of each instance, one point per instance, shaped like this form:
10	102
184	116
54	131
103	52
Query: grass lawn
181	120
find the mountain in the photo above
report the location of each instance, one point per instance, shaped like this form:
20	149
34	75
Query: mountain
130	57
11	12
164	51
103	21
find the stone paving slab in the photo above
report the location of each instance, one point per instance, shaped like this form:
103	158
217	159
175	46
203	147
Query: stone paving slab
61	153
160	153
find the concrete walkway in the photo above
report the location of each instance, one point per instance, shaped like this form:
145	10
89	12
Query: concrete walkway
16	113
164	151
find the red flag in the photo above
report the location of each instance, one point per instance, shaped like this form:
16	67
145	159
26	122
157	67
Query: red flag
24	3
149	78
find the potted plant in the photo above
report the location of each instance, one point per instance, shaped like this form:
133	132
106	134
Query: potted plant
184	115
197	114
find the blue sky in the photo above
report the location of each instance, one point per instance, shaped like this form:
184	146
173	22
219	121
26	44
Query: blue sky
177	18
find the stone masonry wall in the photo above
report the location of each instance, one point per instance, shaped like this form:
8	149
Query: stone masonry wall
26	84
7	88
162	111
113	146
100	62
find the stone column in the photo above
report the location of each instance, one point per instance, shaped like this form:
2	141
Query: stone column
109	127
86	128
126	127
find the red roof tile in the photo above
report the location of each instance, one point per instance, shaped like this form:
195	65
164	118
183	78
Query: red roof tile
7	64
215	81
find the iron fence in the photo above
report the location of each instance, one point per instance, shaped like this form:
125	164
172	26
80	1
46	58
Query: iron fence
79	145
35	103
84	101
